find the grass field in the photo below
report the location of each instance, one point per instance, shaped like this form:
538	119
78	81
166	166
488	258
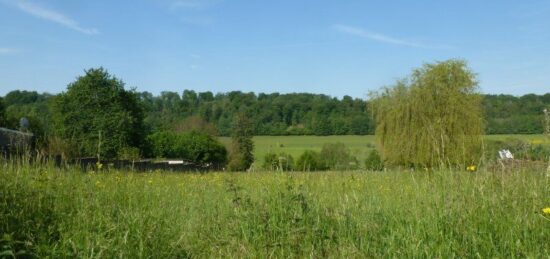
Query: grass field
60	213
360	146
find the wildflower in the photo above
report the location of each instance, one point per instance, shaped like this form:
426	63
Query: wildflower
471	168
546	211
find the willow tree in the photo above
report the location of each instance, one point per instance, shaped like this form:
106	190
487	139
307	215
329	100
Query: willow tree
433	118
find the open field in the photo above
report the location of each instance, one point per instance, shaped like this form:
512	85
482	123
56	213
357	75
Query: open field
359	145
66	213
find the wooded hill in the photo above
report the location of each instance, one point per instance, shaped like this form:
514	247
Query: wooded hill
275	113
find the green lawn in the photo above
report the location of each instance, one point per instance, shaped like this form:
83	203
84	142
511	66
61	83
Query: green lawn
359	145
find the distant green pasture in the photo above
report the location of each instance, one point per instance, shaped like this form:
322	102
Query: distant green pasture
359	145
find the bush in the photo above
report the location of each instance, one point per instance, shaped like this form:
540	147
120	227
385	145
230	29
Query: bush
278	162
196	147
374	161
310	161
337	156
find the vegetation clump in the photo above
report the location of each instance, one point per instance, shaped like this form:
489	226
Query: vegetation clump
434	118
241	156
374	161
99	116
278	162
336	156
196	147
310	161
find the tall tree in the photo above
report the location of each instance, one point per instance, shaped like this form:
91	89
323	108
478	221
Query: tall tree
241	156
99	115
432	119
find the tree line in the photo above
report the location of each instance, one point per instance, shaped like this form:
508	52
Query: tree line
275	113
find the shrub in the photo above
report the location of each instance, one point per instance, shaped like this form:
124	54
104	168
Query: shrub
374	161
193	146
337	156
310	161
279	162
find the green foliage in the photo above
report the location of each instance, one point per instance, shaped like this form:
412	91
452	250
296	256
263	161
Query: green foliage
278	162
521	149
3	121
432	119
242	146
100	115
197	147
270	114
310	161
336	156
281	114
507	114
53	213
195	123
374	161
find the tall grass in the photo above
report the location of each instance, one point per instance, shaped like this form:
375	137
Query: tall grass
46	211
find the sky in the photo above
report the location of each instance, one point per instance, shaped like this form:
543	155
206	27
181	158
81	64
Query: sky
331	47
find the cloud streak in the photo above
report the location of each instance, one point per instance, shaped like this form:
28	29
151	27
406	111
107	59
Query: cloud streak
52	16
384	38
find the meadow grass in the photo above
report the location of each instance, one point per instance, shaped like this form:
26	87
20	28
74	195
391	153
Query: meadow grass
51	212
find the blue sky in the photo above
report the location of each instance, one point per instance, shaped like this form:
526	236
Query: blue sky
331	47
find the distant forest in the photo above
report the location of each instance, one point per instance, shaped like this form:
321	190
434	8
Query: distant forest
277	114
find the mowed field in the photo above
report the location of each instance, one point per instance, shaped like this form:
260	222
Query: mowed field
359	146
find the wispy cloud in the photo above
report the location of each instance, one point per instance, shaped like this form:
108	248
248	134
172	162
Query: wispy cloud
51	15
384	38
8	51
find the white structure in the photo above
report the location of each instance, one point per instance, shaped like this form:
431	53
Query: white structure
505	154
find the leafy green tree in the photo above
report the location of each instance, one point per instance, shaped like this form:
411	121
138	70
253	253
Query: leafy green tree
434	118
241	156
100	115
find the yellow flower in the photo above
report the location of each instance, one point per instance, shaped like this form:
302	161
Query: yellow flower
546	211
471	168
